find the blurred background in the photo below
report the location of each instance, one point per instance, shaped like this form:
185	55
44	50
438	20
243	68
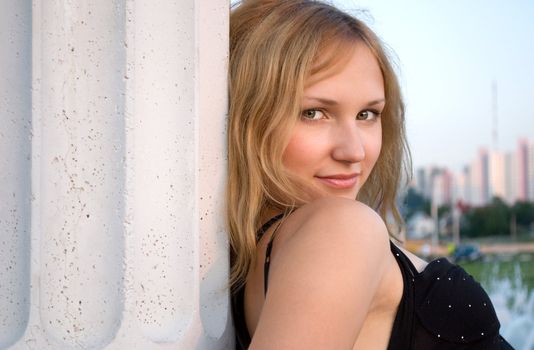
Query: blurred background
467	73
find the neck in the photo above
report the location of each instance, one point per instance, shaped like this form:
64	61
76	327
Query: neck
268	214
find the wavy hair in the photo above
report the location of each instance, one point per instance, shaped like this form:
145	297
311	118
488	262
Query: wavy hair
275	45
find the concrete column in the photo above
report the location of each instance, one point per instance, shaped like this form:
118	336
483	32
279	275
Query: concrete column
180	251
125	237
83	61
15	168
164	139
212	38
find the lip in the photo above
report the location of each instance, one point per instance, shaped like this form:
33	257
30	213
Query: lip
339	181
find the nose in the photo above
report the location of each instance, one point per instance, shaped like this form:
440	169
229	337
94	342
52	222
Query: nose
348	144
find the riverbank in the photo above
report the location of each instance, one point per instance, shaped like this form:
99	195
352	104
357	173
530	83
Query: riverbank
424	248
527	247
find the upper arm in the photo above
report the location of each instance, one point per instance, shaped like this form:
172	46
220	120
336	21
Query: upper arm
323	279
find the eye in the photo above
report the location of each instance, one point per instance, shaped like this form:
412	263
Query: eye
368	115
312	114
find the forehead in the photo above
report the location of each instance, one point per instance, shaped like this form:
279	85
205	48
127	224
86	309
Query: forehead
333	56
354	67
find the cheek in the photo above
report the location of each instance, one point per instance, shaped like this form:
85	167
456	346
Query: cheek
373	147
301	152
294	154
377	147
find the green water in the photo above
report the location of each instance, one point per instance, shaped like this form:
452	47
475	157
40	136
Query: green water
493	270
509	281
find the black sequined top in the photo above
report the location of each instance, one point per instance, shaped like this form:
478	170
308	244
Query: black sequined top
442	307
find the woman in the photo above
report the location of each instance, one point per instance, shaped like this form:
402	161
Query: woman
317	146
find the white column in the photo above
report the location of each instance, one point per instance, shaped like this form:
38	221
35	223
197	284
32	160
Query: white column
82	171
165	228
127	165
180	251
212	40
15	168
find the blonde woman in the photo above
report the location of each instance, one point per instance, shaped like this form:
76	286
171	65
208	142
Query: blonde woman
316	148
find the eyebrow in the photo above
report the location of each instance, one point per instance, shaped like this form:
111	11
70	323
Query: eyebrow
329	102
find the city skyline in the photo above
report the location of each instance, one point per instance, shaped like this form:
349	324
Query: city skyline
451	57
507	174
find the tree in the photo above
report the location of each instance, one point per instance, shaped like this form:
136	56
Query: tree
491	220
524	212
414	202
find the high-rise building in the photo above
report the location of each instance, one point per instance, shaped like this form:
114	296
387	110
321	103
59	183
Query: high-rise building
522	168
475	180
530	175
425	178
479	179
442	188
510	177
497	175
484	161
420	181
507	175
459	182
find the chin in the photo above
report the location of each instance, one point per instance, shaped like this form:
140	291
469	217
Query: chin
317	191
343	194
350	196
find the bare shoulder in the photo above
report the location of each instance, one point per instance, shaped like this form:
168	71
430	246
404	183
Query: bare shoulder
334	219
324	276
336	230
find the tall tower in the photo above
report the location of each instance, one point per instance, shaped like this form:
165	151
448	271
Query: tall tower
496	163
522	162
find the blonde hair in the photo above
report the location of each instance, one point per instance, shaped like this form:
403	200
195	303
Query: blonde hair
274	48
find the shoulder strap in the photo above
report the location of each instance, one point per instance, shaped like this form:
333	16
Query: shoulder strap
403	331
268	260
267	225
259	235
405	262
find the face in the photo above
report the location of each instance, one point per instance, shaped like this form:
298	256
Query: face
337	140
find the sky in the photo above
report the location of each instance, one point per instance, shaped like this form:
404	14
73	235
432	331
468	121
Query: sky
448	55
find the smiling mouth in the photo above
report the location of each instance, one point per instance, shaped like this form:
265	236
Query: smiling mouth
339	181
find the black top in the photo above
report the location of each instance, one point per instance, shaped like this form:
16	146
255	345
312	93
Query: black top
442	307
